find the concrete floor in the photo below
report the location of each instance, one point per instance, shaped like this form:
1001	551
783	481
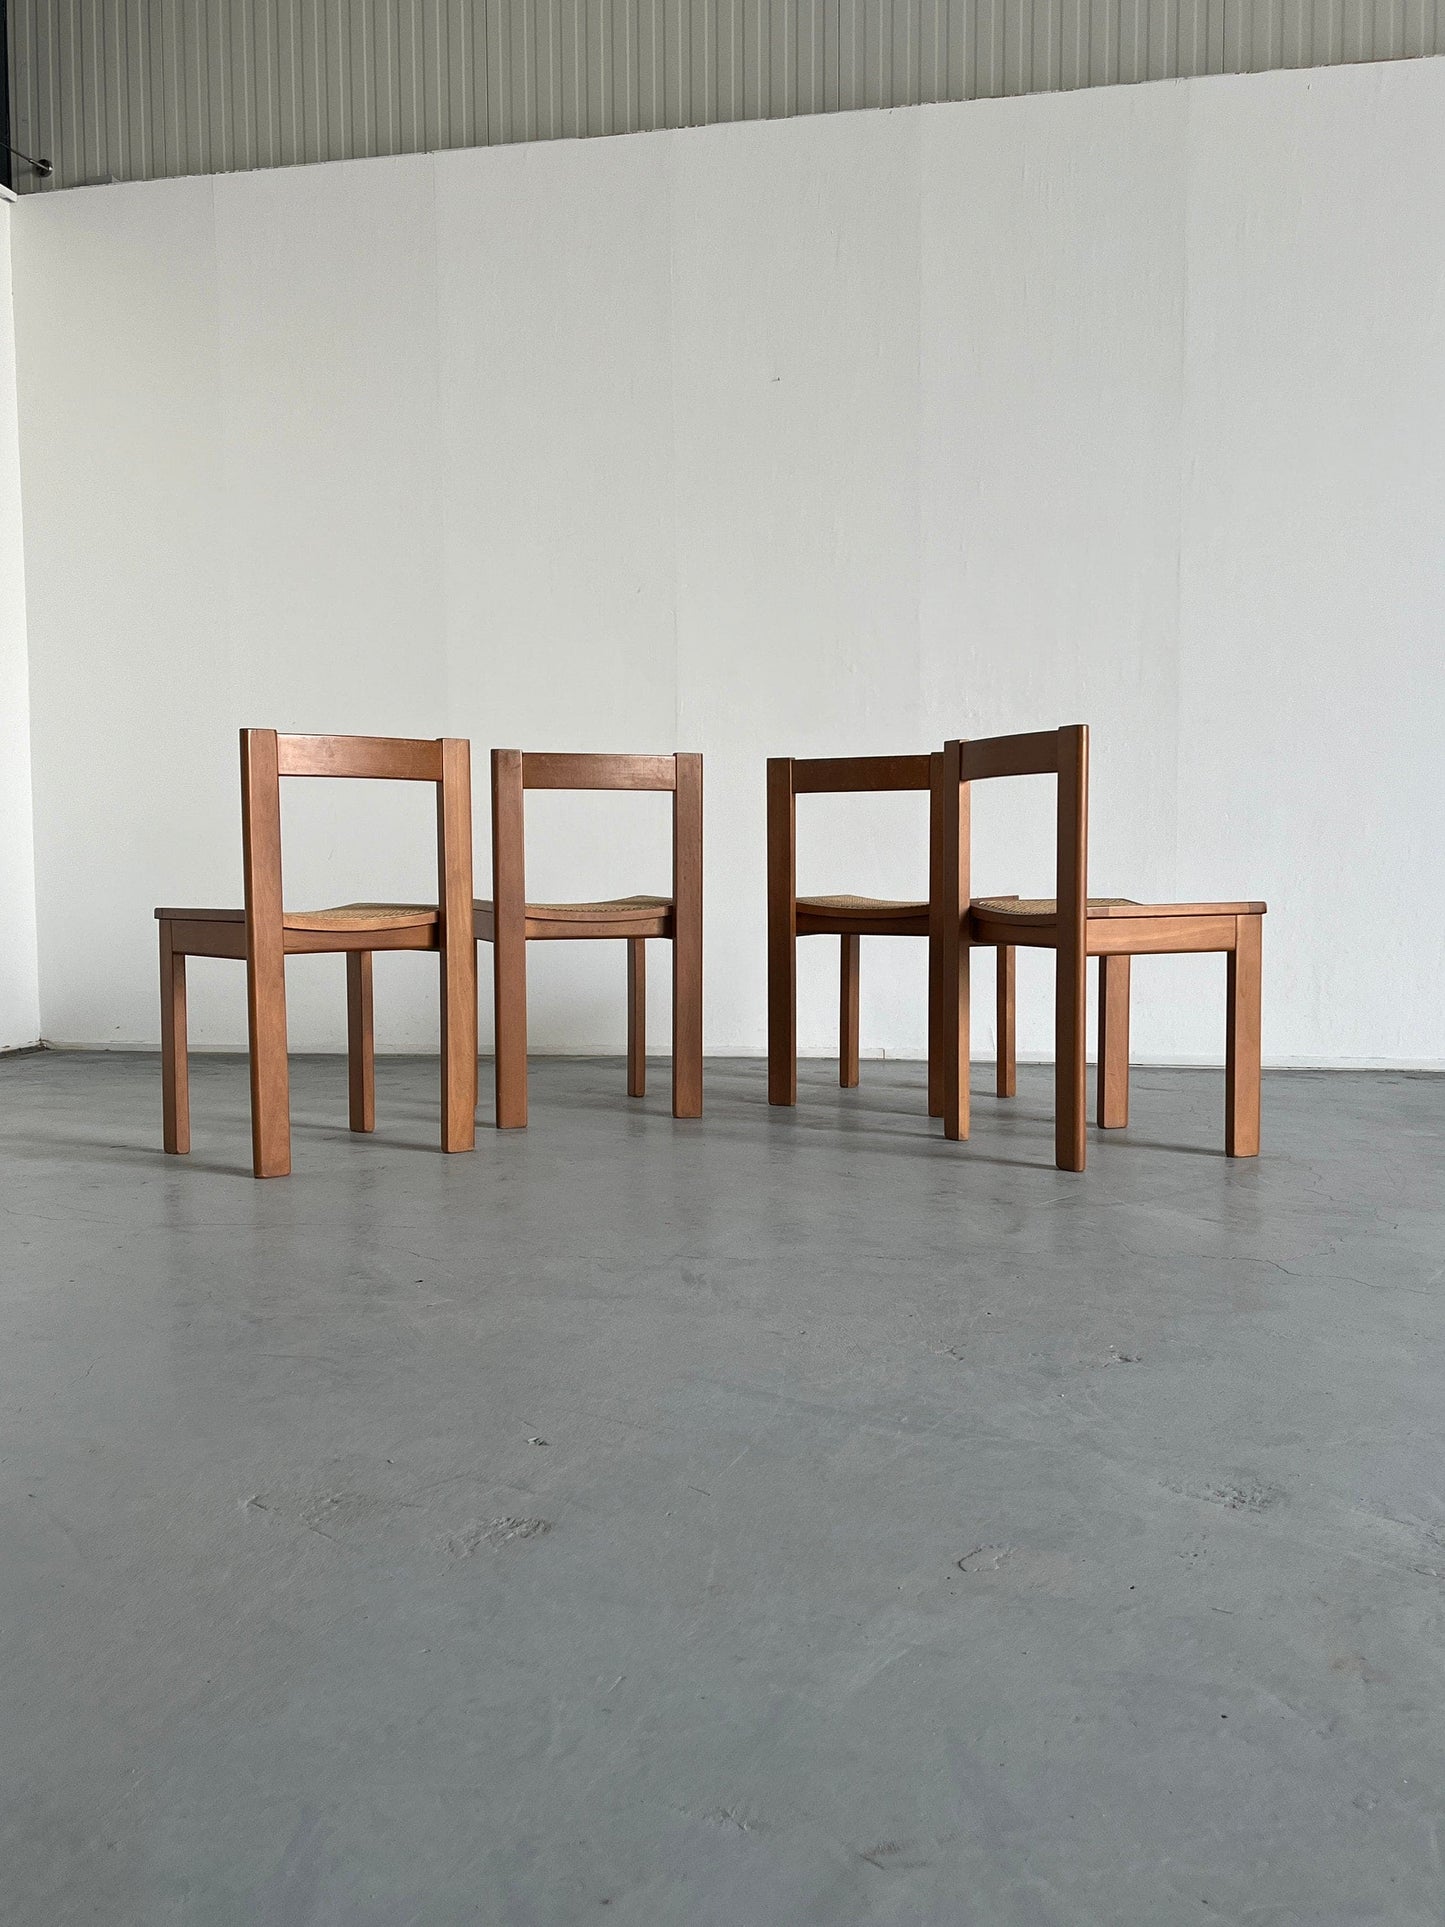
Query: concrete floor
782	1518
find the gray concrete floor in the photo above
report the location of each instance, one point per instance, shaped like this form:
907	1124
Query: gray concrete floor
781	1518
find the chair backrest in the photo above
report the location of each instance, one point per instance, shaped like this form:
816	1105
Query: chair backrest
832	775
1061	753
515	771
790	777
445	761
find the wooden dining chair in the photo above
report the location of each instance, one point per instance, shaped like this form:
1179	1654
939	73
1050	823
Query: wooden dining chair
1076	927
850	917
264	934
509	923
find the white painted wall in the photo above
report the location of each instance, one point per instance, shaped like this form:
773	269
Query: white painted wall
19	988
828	435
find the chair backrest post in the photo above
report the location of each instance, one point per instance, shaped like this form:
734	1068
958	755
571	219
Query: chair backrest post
1072	857
457	938
952	843
509	845
265	951
261	828
687	838
454	839
782	836
1071	960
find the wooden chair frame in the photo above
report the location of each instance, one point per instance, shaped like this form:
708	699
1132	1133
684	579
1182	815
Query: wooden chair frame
509	923
1075	929
264	934
791	917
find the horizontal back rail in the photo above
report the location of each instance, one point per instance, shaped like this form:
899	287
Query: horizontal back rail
563	771
822	775
391	758
1036	754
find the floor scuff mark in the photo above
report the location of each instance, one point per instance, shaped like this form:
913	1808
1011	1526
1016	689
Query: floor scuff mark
497	1532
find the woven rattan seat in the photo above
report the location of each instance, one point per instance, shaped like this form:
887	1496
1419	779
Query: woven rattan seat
363	916
1039	906
864	906
605	910
342	916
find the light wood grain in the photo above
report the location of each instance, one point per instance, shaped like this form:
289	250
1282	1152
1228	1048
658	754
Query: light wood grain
265	954
387	758
951	941
811	922
546	770
328	943
554	930
553	922
815	775
687	938
1033	754
1006	1078
1160	936
782	933
360	1042
848	1012
1242	1042
1112	1075
937	963
509	939
1024	911
1070	960
458	948
1134	912
636	1017
175	1062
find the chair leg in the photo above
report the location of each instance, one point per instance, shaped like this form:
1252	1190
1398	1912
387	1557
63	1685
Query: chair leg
848	1012
270	1070
509	965
175	1064
954	1015
935	1031
1113	1072
360	1041
637	1017
687	1022
1006	1070
1242	1042
782	1013
1070	1071
458	1045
